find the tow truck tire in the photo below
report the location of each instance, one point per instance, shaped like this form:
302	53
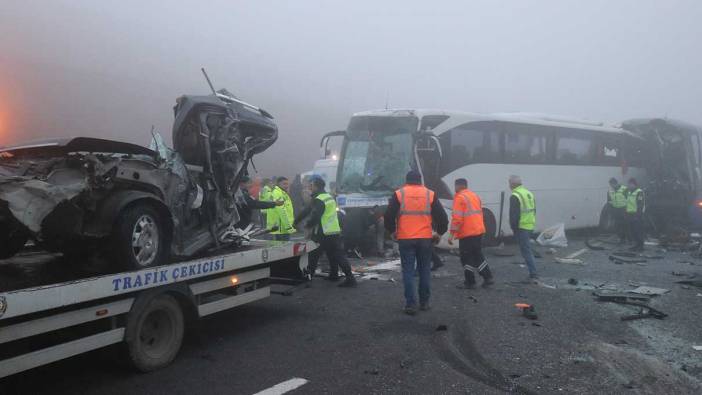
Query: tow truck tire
133	221
11	243
155	333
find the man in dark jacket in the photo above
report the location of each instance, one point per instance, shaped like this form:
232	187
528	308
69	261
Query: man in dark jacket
323	223
246	204
412	212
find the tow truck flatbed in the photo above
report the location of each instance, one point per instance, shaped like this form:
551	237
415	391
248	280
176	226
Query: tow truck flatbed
89	313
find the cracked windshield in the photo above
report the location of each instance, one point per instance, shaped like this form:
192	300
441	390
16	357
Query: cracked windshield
377	155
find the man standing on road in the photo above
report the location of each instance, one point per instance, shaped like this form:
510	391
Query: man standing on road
324	221
635	207
284	215
467	226
616	199
411	212
522	220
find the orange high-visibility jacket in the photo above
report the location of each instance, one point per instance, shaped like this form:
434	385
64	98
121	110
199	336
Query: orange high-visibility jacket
414	217
467	217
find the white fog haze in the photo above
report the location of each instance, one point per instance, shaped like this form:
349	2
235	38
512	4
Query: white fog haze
113	69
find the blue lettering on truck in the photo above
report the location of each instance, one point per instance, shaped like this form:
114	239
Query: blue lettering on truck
141	280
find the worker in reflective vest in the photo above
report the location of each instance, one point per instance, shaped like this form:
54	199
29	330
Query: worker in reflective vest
411	213
284	215
522	220
468	227
635	208
323	220
266	195
616	200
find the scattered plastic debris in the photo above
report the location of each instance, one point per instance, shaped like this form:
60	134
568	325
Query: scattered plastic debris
441	328
569	261
697	348
577	253
527	310
553	236
643	290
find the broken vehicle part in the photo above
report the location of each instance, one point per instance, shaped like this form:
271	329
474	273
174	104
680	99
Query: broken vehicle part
137	206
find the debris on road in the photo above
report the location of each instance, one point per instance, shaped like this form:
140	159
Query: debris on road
572	281
569	261
620	260
576	253
616	296
594	245
553	236
473	298
643	290
527	310
697	348
694	283
441	328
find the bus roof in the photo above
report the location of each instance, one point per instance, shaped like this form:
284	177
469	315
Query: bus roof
517	117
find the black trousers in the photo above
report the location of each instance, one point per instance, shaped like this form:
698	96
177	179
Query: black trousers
472	258
332	246
636	229
620	223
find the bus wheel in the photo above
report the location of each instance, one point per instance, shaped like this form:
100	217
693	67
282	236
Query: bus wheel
155	333
490	238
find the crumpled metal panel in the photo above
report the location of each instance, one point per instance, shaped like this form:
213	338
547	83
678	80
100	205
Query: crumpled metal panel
31	200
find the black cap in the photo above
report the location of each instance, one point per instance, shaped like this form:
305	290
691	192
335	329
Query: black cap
413	177
613	181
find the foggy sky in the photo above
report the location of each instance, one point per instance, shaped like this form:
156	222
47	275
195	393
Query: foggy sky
113	69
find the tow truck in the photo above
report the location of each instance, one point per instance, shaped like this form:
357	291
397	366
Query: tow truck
147	311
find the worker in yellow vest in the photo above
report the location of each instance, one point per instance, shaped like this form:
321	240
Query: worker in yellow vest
635	208
323	220
266	195
285	214
616	201
522	220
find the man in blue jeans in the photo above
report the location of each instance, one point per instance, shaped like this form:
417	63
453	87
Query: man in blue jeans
411	213
522	220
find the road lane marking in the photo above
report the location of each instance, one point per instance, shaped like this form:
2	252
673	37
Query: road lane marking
285	386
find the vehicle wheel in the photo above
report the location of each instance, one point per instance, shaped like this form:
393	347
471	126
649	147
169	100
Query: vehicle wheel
139	238
490	238
155	333
11	241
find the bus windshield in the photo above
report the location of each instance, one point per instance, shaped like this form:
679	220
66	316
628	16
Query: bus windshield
377	153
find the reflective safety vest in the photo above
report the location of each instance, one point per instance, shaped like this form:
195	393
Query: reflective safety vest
527	208
414	218
330	218
265	196
617	198
632	201
467	216
284	215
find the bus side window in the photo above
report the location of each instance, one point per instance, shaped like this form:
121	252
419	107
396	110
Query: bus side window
473	142
525	143
573	149
607	151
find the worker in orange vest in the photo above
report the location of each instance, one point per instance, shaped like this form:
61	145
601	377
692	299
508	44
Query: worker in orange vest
411	212
467	226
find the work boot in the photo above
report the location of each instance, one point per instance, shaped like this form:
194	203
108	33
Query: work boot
424	306
410	310
350	282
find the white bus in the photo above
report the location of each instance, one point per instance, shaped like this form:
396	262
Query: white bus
565	163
